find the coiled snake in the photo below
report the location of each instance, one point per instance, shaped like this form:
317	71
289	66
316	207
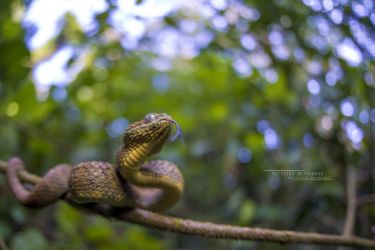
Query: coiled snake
132	182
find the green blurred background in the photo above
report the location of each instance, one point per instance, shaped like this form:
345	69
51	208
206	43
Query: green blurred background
255	86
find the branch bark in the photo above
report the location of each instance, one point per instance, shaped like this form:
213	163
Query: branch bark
207	229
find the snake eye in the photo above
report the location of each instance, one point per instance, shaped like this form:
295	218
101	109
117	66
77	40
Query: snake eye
150	117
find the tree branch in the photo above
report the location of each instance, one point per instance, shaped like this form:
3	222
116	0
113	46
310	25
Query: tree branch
207	229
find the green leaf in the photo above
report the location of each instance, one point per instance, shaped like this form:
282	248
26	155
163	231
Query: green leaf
30	239
99	231
247	212
68	218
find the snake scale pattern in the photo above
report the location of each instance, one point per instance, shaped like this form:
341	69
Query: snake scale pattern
132	182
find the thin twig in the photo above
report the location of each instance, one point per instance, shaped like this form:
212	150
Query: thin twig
208	229
3	246
351	201
366	200
328	221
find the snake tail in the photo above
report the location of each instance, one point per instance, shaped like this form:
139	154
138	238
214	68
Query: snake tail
54	184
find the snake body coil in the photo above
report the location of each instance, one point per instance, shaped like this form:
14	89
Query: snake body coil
155	185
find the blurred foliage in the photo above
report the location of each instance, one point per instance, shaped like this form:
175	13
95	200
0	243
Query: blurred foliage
255	86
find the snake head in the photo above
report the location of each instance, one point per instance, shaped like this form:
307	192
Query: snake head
150	133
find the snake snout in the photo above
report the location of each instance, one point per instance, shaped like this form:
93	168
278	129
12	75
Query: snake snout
169	120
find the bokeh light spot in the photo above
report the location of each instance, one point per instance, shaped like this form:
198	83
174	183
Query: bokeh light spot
59	94
117	127
348	51
13	109
313	86
85	93
161	82
308	140
271	138
364	116
262	126
347	108
248	42
244	155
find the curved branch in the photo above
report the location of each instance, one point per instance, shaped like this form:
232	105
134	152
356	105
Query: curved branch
207	229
